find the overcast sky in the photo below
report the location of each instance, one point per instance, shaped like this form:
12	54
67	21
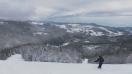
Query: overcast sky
105	12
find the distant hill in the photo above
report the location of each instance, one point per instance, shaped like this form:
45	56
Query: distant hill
65	42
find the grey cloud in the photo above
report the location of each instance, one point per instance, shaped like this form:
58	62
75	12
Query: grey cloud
68	10
107	13
14	10
21	9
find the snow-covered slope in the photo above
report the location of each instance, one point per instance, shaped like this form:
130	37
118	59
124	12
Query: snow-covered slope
93	29
21	67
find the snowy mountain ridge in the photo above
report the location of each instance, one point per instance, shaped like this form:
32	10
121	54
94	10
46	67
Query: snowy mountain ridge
65	42
91	29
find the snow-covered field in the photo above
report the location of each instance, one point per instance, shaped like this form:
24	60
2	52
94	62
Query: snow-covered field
16	65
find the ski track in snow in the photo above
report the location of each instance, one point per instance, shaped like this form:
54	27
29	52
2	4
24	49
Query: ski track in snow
16	65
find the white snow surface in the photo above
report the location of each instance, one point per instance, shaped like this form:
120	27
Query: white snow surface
80	28
40	33
85	61
112	33
88	29
62	26
37	23
91	47
16	57
22	67
86	41
65	44
93	33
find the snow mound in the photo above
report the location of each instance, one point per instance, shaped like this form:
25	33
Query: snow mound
85	61
15	57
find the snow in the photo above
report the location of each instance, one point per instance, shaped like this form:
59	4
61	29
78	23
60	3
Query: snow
119	33
91	47
85	61
37	23
111	33
74	25
13	66
62	26
45	33
76	30
93	33
106	30
16	57
65	44
86	41
76	40
80	28
89	26
72	28
40	33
